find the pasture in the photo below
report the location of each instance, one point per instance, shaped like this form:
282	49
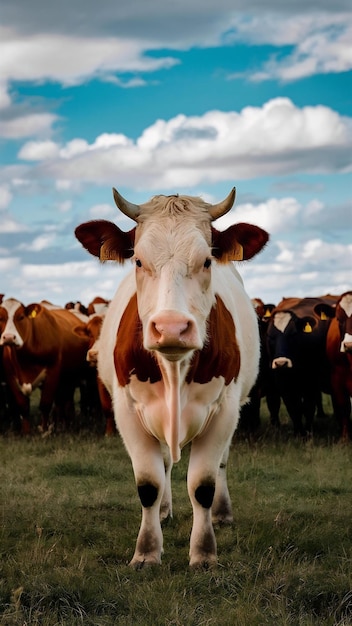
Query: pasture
70	515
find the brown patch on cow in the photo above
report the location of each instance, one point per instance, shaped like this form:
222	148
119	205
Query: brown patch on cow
129	355
219	357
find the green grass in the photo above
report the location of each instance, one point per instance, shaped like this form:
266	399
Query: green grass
70	516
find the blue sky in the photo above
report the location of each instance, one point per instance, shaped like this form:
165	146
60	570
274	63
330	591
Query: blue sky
187	97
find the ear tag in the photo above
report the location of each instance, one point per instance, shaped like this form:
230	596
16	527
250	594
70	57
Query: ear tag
33	314
323	316
238	254
267	313
307	328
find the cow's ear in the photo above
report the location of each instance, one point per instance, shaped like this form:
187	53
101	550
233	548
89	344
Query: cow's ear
325	311
32	310
106	240
82	331
238	242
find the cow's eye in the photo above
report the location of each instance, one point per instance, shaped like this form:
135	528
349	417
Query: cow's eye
207	263
138	263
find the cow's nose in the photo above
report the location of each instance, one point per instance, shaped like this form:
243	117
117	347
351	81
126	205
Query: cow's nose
7	339
281	362
170	329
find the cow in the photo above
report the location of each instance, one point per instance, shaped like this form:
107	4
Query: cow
94	396
296	338
98	306
178	353
40	348
339	354
250	420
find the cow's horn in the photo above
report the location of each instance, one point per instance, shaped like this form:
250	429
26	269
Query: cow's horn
129	209
217	210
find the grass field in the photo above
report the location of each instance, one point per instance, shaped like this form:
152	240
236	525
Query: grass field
70	516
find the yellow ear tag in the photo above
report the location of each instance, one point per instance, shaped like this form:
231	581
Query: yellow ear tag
267	313
307	328
238	254
323	316
33	313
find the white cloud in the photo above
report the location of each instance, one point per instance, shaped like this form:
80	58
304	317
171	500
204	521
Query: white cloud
62	271
9	264
38	151
102	211
314	268
320	43
10	225
26	125
118	42
5	99
64	206
42	242
70	60
277	215
275	139
5	197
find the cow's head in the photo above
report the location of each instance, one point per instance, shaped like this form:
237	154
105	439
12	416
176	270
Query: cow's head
173	247
15	319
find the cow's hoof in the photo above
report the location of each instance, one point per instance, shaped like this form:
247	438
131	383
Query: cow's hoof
204	563
139	562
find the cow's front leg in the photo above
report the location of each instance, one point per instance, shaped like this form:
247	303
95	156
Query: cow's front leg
201	482
149	474
166	501
222	506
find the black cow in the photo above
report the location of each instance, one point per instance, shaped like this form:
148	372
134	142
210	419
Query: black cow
296	339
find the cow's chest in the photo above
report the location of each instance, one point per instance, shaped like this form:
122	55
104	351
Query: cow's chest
198	403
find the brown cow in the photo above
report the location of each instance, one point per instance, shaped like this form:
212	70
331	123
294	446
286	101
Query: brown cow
339	353
41	349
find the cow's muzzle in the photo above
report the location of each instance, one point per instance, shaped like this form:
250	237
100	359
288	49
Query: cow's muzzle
173	334
281	362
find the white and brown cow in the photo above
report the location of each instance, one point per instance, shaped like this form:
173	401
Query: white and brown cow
40	348
178	353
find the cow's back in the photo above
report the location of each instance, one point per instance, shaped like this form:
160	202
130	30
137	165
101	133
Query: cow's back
73	347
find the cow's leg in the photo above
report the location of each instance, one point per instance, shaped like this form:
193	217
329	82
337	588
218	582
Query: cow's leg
222	507
49	389
149	472
342	404
206	483
166	501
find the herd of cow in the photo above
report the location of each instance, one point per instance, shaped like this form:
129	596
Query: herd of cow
302	356
306	351
176	354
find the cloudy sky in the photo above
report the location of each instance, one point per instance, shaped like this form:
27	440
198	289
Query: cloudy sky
194	97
